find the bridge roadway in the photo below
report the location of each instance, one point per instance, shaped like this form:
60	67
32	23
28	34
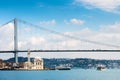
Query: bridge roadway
61	51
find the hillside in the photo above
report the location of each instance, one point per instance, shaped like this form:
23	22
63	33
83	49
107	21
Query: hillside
74	63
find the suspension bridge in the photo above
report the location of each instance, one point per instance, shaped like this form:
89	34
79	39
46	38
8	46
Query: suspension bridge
16	50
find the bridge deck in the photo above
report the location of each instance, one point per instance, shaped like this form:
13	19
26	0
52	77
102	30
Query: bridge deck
61	51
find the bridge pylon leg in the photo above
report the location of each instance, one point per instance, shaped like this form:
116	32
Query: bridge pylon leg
16	57
15	41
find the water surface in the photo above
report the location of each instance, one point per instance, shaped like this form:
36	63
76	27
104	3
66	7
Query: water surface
74	74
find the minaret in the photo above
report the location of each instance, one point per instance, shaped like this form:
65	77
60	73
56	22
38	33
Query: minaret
28	55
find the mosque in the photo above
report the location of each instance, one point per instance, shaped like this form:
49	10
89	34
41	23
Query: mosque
36	64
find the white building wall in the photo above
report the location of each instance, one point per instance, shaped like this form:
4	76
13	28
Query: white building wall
38	64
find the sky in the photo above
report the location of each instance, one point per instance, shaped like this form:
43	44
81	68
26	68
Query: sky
95	20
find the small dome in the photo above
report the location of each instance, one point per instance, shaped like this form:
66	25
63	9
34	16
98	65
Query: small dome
39	58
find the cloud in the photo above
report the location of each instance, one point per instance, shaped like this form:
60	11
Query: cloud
55	41
33	42
106	5
50	22
74	21
37	40
113	28
107	34
6	37
77	22
27	29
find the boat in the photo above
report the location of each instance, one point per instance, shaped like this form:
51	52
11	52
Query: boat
61	67
101	67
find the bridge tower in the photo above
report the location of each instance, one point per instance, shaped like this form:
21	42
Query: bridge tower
15	41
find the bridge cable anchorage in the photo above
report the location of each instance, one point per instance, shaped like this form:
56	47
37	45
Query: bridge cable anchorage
6	23
69	36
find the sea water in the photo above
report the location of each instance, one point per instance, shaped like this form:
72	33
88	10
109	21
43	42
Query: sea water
73	74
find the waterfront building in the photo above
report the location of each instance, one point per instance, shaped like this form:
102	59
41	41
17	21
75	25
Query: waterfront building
1	63
38	63
27	65
8	65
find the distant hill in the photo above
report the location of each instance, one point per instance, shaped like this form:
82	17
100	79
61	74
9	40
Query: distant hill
20	59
